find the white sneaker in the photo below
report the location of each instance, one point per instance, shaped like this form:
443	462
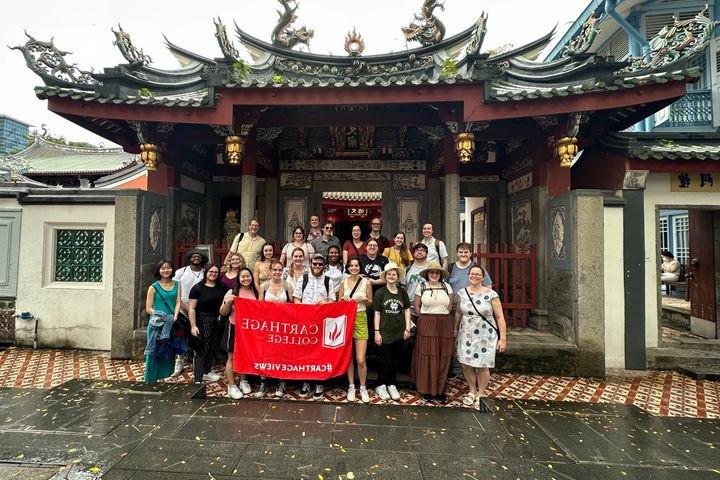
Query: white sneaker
179	366
364	395
280	390
235	392
211	377
261	389
245	387
351	393
382	392
393	391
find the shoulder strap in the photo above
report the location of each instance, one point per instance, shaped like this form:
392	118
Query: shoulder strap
481	315
446	287
306	277
357	284
157	286
423	287
437	245
450	269
242	235
327	285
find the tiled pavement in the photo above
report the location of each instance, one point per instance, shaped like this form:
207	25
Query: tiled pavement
659	393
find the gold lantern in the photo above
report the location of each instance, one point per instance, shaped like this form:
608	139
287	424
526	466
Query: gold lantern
234	148
565	150
465	146
150	155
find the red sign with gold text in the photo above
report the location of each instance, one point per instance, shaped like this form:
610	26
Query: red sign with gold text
293	341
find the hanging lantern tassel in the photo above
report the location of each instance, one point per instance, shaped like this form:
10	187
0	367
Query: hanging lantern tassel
150	155
234	149
465	146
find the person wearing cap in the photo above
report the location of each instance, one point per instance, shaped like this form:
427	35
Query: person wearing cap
391	306
188	276
434	337
314	288
413	278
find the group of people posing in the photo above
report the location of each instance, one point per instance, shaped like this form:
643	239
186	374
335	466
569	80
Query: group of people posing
402	293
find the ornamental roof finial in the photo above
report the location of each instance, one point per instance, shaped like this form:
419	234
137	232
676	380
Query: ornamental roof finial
135	57
283	35
428	30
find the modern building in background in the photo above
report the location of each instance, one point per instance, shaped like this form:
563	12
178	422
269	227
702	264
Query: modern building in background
13	135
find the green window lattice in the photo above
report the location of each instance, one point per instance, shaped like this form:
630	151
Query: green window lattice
79	255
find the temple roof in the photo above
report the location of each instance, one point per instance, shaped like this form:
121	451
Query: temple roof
507	76
44	157
664	146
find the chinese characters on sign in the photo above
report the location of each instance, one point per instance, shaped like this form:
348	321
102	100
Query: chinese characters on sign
694	182
357	212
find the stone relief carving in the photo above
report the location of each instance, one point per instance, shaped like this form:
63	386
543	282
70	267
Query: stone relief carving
408	182
296	180
558	233
521	223
408	217
353	176
154	230
635	179
358	165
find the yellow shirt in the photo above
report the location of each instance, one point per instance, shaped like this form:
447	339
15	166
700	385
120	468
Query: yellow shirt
248	247
394	256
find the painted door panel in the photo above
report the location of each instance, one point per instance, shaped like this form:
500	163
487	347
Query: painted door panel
701	267
9	251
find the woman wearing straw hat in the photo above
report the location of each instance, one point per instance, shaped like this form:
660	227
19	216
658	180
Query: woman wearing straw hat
391	305
434	338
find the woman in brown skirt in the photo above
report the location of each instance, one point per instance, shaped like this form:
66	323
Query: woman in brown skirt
434	338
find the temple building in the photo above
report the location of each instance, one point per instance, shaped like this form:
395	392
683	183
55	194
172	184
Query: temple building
530	149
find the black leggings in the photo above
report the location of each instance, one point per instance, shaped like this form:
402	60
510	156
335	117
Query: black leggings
390	354
210	330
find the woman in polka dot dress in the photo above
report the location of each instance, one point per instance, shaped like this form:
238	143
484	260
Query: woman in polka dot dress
480	331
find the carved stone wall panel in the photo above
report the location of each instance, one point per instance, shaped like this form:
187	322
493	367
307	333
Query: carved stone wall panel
301	181
353	165
352	177
559	233
408	182
521	223
409	218
295	214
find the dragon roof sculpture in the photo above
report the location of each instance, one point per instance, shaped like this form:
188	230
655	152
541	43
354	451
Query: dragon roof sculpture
283	35
428	30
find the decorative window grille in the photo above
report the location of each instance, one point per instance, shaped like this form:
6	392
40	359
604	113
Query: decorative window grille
681	229
79	255
664	234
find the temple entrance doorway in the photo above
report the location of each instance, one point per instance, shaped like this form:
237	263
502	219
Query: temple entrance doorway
346	209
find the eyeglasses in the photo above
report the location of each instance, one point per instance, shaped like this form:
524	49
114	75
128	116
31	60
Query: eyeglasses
328	228
318	264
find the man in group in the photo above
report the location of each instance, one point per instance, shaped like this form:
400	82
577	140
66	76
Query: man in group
372	265
314	231
188	276
459	270
321	244
412	276
437	251
314	288
375	229
248	244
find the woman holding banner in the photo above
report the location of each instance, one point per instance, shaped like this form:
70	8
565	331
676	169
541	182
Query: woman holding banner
244	288
357	289
392	326
277	291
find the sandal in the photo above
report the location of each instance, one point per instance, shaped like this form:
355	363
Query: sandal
469	399
477	402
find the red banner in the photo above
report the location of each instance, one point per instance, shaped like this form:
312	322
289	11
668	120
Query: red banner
293	341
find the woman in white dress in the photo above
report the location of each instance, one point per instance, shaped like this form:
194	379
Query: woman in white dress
481	331
296	268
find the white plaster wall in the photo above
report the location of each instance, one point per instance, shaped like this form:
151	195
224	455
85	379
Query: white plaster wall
9	203
614	286
658	194
73	315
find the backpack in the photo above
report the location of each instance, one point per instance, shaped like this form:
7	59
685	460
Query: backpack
306	278
423	288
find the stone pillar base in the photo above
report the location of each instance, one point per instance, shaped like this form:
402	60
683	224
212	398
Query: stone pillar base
139	341
539	320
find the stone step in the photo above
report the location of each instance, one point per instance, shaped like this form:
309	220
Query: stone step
710	345
700	373
670	358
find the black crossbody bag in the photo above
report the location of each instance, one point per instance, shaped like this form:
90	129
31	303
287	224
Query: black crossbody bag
481	315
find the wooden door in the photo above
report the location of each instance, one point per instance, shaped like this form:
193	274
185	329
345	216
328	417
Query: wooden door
701	268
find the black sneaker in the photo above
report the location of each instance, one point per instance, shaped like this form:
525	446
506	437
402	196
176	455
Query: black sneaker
441	399
427	398
319	389
305	390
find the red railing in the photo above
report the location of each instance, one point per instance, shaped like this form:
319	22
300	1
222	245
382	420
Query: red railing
181	247
513	269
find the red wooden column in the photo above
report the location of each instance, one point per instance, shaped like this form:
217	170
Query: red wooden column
557	177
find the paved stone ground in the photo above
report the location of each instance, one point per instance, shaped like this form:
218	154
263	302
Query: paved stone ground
88	429
659	393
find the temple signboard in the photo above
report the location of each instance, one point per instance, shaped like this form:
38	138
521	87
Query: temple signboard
694	182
